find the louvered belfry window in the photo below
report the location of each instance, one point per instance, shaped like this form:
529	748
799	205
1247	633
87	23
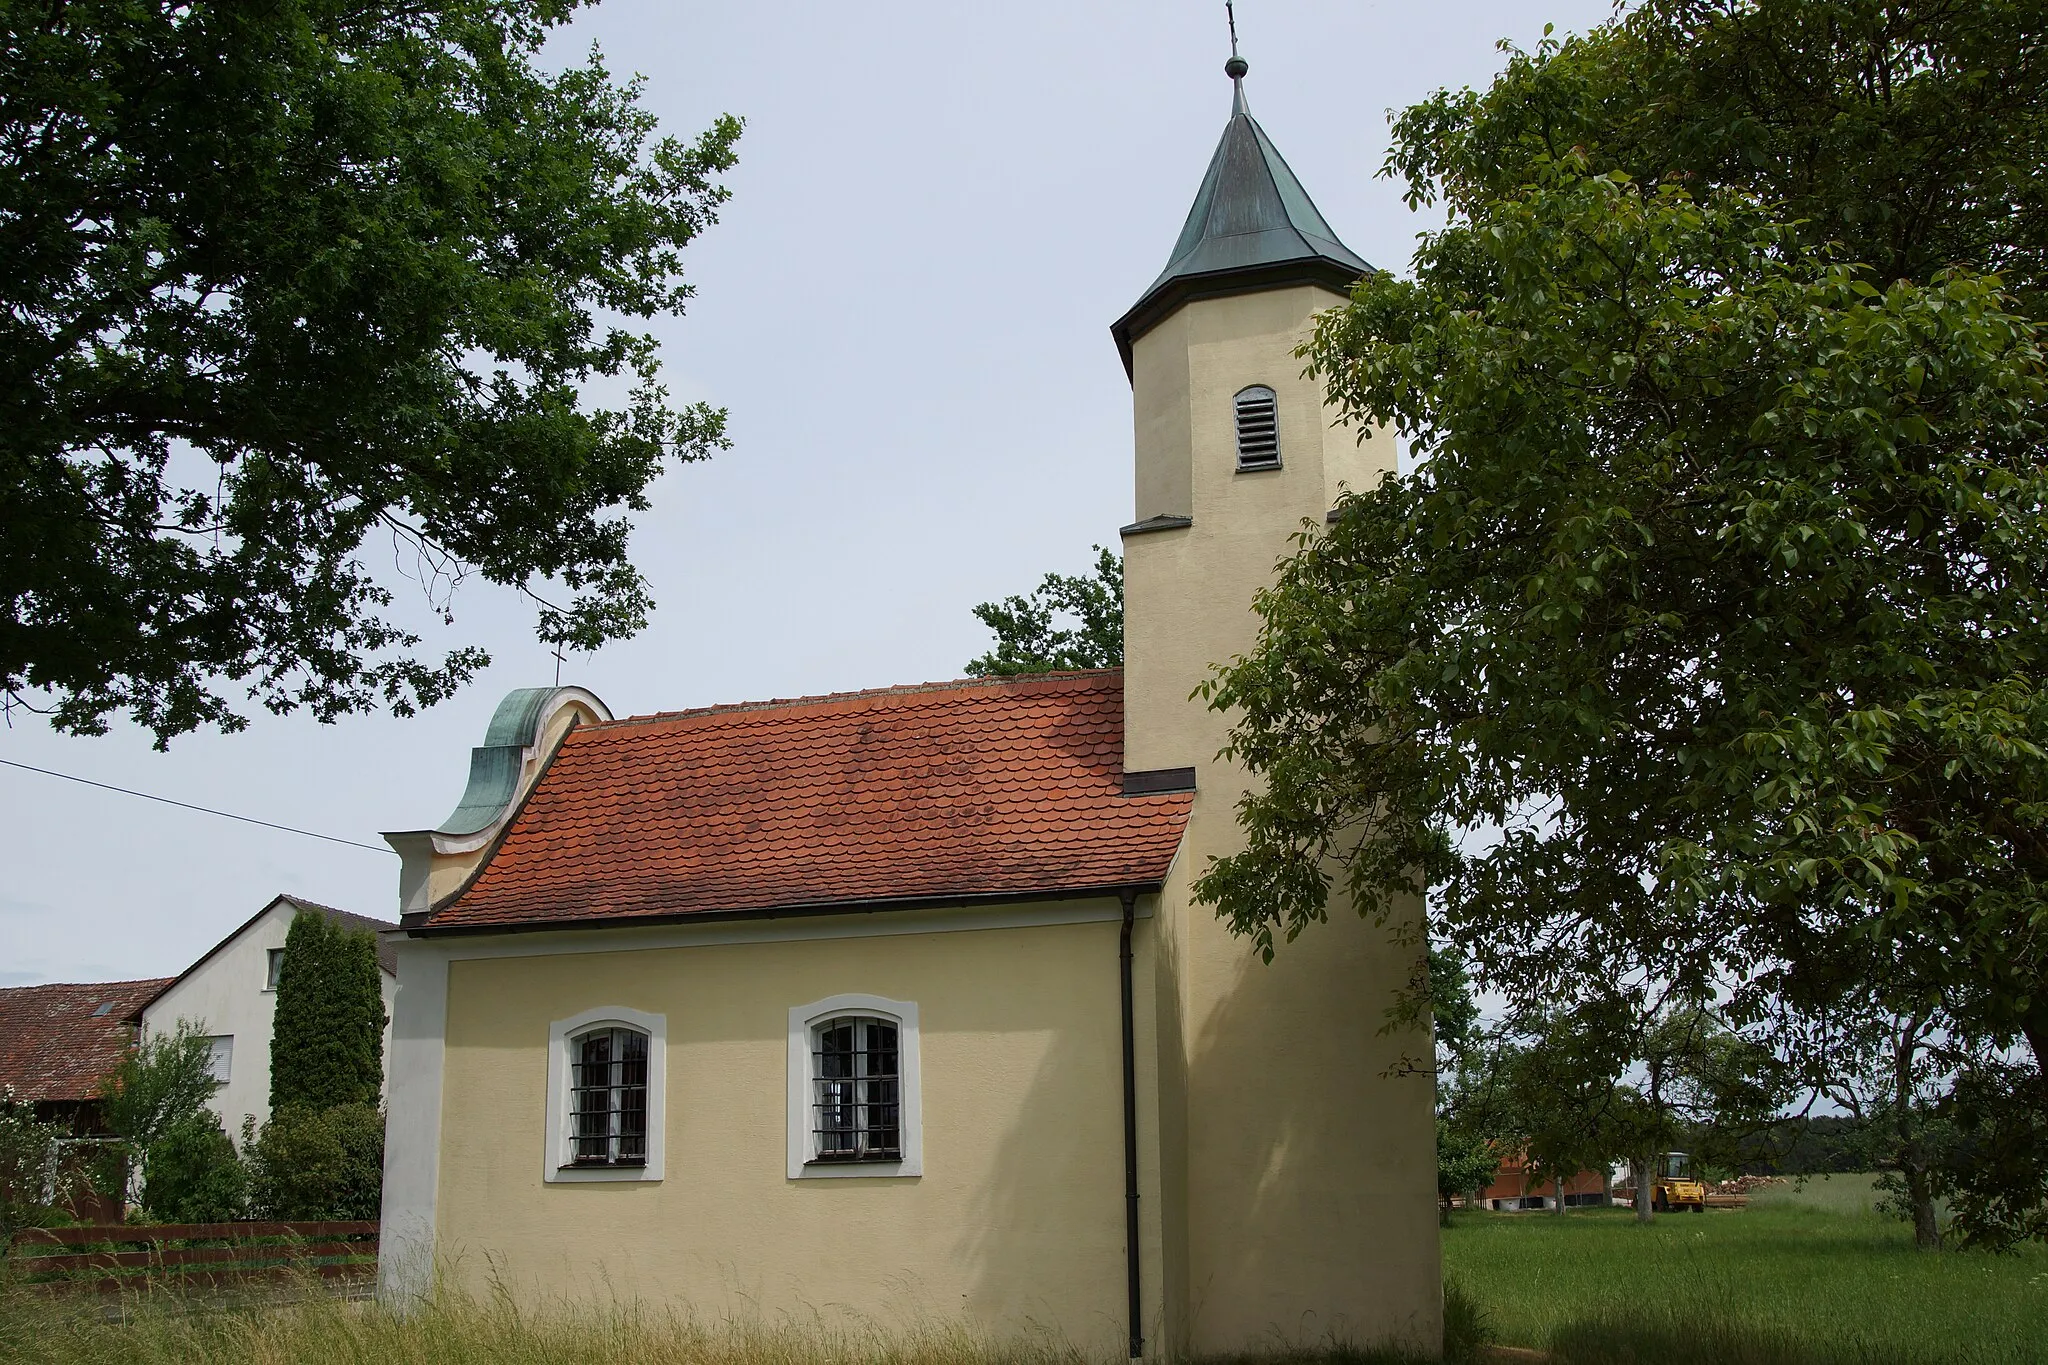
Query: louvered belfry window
1258	428
857	1107
608	1098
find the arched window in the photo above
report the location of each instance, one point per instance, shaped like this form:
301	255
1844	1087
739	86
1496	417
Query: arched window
608	1098
857	1095
1258	428
853	1088
607	1074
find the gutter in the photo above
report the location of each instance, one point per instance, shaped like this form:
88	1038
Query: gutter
421	925
1129	896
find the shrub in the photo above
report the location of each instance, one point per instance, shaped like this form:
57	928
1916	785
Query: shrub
28	1167
192	1174
319	1164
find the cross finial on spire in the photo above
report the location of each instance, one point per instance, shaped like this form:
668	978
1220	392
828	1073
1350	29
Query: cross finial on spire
1236	66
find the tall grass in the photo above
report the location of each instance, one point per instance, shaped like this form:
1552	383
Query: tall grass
454	1329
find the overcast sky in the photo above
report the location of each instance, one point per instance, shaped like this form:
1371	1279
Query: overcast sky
938	211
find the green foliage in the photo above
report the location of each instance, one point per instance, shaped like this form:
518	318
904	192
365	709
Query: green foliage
1454	1013
1698	660
1993	1170
1465	1162
1810	1144
319	1164
327	1037
293	284
164	1080
1029	638
28	1167
193	1175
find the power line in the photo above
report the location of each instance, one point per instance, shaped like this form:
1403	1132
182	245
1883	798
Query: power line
187	805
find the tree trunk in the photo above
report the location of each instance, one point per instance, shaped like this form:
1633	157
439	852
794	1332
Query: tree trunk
1645	1188
1443	1213
2036	1030
1557	1187
1926	1231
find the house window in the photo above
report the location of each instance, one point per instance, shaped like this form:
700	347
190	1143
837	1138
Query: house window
608	1098
854	1106
1258	428
607	1074
220	1057
856	1079
276	965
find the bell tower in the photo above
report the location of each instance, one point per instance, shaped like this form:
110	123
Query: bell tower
1296	1181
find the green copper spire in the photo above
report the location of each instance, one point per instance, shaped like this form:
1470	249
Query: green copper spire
1252	227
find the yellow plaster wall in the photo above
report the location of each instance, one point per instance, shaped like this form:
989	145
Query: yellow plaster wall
1300	1183
1017	1222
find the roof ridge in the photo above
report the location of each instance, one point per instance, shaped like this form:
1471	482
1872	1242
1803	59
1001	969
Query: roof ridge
333	909
821	698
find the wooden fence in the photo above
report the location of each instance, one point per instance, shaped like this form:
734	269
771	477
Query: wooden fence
199	1256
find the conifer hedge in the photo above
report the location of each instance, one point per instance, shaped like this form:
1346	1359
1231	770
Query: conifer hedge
327	1045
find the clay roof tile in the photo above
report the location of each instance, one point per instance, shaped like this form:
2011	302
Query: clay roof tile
985	787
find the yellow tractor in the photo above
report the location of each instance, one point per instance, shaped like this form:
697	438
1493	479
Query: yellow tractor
1676	1187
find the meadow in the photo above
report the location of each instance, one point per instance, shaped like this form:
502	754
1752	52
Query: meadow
1811	1276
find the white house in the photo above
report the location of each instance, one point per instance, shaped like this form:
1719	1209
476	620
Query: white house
230	994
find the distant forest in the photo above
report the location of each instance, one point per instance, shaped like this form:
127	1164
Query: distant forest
1820	1145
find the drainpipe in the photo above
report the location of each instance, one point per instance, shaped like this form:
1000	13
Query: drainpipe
1130	900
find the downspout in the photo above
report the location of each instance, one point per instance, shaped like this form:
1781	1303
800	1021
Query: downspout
1130	900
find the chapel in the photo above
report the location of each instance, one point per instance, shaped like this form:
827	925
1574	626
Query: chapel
897	1003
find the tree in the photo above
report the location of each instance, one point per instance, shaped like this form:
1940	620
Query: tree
1028	640
165	1080
1466	1159
1713	594
1465	1162
327	1038
294	287
1888	1069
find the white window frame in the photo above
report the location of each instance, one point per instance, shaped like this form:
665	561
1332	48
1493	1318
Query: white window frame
802	1140
557	1168
220	1057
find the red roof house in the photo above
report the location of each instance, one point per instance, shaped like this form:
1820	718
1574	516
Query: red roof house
59	1042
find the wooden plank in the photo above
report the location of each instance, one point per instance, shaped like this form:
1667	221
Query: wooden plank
189	1232
203	1280
284	1254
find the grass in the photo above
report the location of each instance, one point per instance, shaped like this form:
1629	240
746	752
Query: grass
1810	1276
310	1326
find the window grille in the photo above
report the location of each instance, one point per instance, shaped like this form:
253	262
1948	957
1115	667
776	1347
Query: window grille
857	1072
1258	428
608	1098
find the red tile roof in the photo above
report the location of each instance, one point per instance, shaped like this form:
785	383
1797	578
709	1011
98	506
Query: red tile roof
57	1044
984	787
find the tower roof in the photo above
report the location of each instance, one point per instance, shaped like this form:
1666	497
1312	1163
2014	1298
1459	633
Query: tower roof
1252	227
